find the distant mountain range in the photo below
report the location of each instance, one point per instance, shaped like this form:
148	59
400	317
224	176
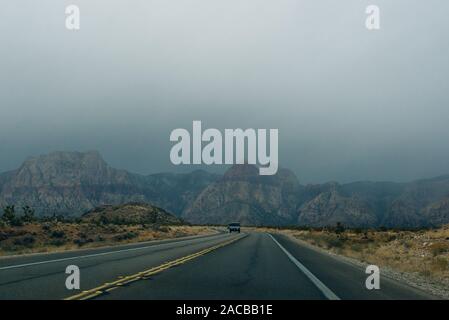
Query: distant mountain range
72	183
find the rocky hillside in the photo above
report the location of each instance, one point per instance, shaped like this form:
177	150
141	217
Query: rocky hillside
243	195
331	205
131	214
72	183
374	204
437	212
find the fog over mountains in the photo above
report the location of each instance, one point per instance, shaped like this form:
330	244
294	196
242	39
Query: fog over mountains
72	183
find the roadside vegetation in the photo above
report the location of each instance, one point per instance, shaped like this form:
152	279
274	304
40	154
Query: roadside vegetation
423	254
21	232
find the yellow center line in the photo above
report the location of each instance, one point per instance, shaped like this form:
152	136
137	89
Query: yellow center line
109	286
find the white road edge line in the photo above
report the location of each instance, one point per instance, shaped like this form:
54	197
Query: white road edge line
90	255
321	286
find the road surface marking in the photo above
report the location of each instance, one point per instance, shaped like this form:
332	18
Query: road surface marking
321	286
109	286
91	255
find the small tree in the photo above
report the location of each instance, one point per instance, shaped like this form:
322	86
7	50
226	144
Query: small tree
9	213
339	228
28	214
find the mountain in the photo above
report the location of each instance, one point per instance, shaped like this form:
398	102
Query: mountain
373	204
174	192
421	203
131	213
243	195
438	212
71	183
331	205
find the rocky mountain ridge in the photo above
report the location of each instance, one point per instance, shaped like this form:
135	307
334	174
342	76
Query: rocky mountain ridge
72	183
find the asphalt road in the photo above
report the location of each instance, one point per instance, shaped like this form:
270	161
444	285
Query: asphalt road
245	266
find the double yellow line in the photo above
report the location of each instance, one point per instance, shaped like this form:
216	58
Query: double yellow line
109	286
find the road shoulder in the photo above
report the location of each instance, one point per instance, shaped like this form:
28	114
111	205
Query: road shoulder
431	288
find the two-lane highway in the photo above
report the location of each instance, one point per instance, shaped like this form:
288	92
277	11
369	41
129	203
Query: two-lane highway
43	276
245	266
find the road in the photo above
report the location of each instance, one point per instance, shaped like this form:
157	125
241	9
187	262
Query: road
239	266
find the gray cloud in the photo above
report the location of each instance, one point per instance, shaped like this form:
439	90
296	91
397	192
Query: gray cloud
349	104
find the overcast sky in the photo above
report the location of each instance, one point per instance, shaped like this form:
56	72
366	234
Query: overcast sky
350	104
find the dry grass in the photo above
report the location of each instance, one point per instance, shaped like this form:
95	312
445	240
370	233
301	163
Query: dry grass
61	236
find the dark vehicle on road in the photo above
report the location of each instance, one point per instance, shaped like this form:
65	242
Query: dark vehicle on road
234	227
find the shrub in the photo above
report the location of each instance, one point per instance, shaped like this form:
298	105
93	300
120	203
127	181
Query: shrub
439	264
26	241
104	220
58	234
126	236
28	214
82	241
99	239
16	222
58	242
9	213
111	228
3	236
82	235
339	228
160	228
164	229
390	238
407	244
439	248
335	243
356	247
